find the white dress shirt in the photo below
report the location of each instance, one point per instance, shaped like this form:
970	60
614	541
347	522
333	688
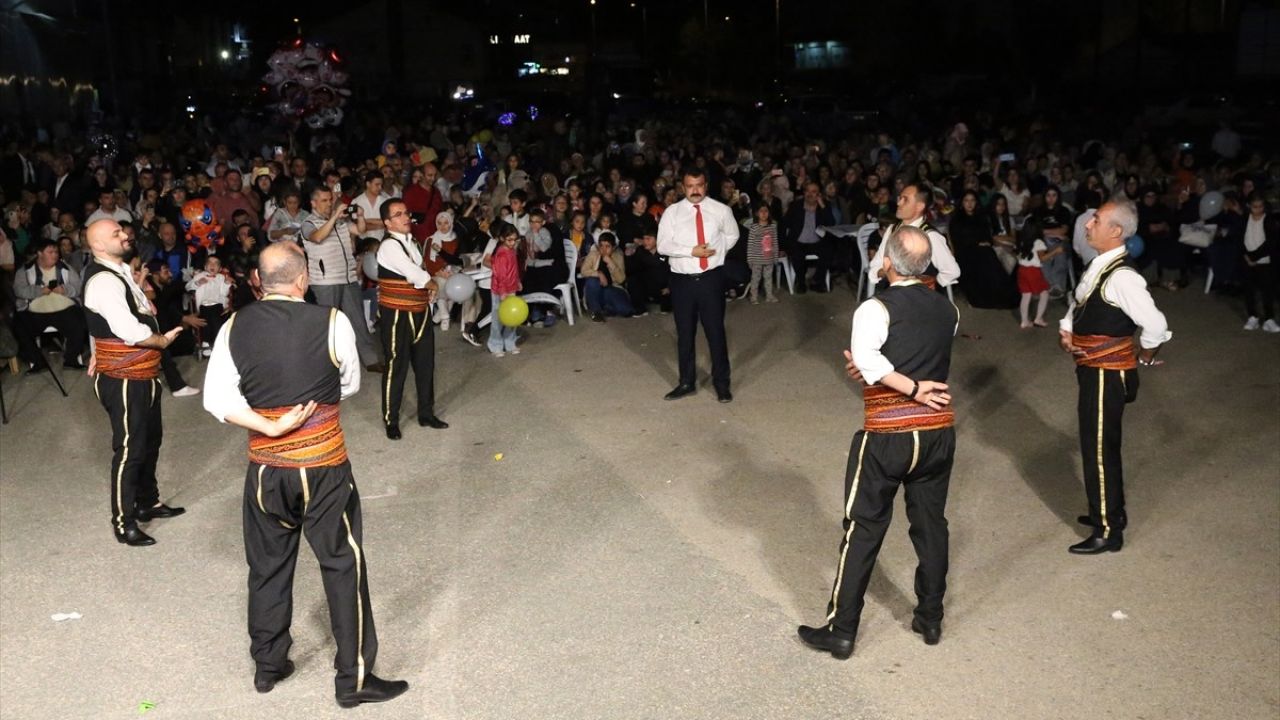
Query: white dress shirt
948	268
1127	290
210	288
678	234
102	294
222	396
870	332
400	255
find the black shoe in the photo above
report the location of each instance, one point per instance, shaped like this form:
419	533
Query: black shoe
34	368
376	368
135	537
75	365
826	641
724	395
159	511
932	634
375	690
470	336
433	422
680	391
1086	521
265	682
1096	544
393	432
597	317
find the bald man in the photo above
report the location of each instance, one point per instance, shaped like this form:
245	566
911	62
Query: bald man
900	353
279	368
126	368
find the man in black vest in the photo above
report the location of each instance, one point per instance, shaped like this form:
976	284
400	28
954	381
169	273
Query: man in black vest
279	368
1108	306
913	205
126	365
405	294
901	353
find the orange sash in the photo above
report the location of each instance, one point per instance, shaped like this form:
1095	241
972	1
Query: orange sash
1106	352
889	411
402	295
318	443
117	359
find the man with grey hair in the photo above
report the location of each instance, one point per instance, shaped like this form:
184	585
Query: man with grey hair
1108	306
900	354
280	367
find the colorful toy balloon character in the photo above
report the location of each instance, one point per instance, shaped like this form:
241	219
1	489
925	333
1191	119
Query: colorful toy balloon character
199	225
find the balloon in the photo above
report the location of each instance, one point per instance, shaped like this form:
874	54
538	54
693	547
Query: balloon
513	311
1134	245
199	225
1210	204
459	287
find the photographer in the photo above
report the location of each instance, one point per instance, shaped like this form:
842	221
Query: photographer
47	289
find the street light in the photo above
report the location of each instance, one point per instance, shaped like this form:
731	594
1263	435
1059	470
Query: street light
225	54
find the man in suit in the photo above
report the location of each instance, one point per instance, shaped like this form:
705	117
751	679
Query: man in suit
800	238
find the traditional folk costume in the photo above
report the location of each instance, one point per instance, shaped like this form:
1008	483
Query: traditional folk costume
404	322
943	268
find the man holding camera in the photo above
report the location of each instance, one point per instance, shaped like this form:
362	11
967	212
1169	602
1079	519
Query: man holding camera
47	289
331	267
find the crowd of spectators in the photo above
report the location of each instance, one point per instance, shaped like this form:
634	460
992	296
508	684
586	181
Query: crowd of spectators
1007	194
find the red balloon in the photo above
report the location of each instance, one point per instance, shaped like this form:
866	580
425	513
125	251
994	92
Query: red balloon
200	225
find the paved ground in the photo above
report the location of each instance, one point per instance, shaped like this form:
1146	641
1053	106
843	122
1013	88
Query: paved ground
631	558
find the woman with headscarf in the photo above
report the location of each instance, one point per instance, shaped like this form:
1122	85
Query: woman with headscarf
443	258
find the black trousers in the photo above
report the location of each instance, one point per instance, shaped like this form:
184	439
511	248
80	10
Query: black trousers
647	288
172	375
1260	282
136	433
797	252
1103	394
407	340
878	464
697	298
214	316
69	323
322	503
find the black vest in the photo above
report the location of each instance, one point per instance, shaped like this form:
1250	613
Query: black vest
98	326
387	274
283	351
1096	316
926	228
922	324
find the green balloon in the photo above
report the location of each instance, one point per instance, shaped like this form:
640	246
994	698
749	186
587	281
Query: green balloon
513	311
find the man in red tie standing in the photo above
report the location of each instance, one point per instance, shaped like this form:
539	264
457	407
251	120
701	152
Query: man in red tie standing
696	234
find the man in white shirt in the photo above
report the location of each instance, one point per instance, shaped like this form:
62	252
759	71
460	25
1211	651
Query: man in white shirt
367	205
108	210
696	235
943	269
1108	306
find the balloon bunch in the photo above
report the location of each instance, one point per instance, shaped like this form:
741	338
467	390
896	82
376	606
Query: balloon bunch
307	84
200	226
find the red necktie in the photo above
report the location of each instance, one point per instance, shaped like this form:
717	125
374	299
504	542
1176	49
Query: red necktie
702	235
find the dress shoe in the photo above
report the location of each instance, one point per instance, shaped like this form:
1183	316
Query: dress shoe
680	391
375	690
827	641
159	511
393	432
932	634
135	537
265	682
74	365
724	395
1097	544
376	368
433	422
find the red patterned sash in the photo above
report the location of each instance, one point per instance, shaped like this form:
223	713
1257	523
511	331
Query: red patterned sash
402	295
318	443
117	359
1106	352
889	411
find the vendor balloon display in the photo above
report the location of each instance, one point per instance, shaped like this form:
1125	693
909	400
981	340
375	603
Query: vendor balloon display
307	84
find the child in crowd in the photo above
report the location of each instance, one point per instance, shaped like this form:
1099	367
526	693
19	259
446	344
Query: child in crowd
541	274
604	225
1032	252
213	297
505	282
762	253
367	274
605	272
578	235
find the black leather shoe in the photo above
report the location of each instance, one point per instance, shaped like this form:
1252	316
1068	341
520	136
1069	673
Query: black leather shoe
375	690
393	432
932	634
724	396
378	368
1086	521
679	392
75	365
159	511
433	422
1096	544
135	537
265	682
825	640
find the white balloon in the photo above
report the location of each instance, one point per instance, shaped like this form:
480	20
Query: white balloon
459	287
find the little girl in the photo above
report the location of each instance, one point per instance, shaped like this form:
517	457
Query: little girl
505	282
1032	252
213	297
762	252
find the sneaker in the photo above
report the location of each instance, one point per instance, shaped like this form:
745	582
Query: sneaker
470	337
499	354
1252	324
1270	326
444	324
597	317
639	313
187	391
205	352
772	299
755	300
515	351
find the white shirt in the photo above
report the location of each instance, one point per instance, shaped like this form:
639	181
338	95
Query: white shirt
1255	234
943	260
370	208
102	295
400	255
870	332
1034	261
222	396
1080	238
1127	290
678	234
210	289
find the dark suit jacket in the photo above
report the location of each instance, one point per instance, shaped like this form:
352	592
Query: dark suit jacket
793	224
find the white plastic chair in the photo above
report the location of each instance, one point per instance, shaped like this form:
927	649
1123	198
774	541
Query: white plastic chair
568	290
862	238
789	270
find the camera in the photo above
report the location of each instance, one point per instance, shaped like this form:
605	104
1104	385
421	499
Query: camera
351	211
